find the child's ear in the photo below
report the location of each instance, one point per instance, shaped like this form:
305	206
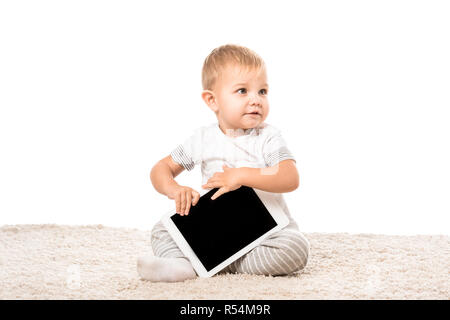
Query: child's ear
210	100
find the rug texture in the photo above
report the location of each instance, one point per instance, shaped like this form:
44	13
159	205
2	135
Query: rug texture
98	262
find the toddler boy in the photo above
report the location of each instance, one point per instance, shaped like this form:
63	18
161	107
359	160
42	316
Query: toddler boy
240	149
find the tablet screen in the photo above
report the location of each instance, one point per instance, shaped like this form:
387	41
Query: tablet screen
217	229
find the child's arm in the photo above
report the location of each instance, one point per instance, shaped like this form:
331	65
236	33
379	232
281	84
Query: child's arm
283	179
162	176
280	178
163	173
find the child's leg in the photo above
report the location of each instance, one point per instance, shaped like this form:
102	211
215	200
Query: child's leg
284	252
168	263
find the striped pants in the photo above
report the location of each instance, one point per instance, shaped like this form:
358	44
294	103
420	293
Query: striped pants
283	252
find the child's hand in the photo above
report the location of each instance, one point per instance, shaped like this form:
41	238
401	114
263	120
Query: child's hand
227	181
183	197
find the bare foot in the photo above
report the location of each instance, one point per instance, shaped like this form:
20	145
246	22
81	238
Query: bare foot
157	269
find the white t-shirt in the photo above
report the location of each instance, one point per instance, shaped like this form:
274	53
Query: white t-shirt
259	147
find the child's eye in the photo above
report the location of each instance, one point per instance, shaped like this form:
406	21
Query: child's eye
241	89
263	90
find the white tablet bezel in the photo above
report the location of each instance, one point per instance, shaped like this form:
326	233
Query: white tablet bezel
269	201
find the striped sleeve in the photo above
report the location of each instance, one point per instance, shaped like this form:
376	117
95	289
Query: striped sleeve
188	154
275	150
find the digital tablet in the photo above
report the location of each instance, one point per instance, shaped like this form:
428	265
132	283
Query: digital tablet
217	232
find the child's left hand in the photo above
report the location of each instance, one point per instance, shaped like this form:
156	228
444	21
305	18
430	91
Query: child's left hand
226	181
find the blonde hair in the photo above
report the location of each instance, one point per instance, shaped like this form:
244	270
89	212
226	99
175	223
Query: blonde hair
227	54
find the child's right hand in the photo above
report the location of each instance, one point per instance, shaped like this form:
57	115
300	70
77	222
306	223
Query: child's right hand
184	197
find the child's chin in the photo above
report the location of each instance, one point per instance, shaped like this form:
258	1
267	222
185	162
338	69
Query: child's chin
252	123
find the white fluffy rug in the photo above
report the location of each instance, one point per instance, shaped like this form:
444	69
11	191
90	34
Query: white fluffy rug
97	262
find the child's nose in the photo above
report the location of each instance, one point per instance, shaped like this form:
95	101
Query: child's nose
254	99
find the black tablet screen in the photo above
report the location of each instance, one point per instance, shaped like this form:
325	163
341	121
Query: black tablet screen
217	229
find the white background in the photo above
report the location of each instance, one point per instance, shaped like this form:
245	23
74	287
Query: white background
94	93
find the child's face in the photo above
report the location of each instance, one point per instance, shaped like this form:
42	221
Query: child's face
238	93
